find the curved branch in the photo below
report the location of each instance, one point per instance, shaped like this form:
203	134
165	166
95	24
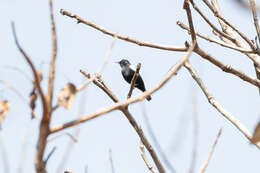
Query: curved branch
122	37
36	77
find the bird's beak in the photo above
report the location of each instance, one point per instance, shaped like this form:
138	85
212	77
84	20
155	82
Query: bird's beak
117	62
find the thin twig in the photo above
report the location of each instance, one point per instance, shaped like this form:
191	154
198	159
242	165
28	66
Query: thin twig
144	140
245	5
74	139
155	141
253	8
186	6
133	81
230	25
227	68
122	37
210	39
104	88
149	166
217	105
195	132
97	74
111	161
36	77
210	24
50	154
206	162
49	95
75	134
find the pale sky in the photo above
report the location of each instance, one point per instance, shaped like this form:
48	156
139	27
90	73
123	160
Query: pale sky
169	111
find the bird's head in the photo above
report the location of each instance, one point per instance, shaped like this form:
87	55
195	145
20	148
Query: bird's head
124	63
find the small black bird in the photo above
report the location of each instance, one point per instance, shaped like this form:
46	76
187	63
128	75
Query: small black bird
128	73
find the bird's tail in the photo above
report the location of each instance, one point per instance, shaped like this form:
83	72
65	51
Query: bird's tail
149	98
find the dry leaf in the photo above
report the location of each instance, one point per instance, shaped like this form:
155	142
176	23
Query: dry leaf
66	95
4	109
256	136
32	102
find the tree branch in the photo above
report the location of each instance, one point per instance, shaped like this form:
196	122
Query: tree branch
186	6
36	77
227	68
252	6
206	162
217	105
132	85
49	95
210	39
230	25
149	166
122	37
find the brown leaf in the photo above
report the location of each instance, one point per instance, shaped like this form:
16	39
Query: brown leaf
256	136
66	95
32	102
4	109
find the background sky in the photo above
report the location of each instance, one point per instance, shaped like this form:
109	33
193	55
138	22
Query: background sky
170	111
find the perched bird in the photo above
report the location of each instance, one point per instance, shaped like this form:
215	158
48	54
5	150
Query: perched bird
128	73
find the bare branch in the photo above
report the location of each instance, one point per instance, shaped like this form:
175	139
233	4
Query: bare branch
195	132
132	85
227	68
217	105
186	6
50	154
97	74
111	161
206	162
253	8
150	167
210	39
230	25
49	95
210	24
36	77
122	37
104	88
156	142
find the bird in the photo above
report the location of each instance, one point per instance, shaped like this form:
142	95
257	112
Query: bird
128	73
